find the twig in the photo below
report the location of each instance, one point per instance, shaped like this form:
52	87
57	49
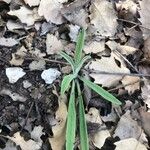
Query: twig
49	60
117	74
122	86
126	60
26	119
128	21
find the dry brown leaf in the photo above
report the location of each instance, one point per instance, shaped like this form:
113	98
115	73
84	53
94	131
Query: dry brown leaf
100	137
12	25
8	42
7	1
53	45
127	6
51	10
146	93
32	2
145	119
146	48
145	15
37	53
103	18
127	127
108	64
37	65
25	15
76	17
25	145
127	9
123	49
14	96
94	47
18	57
134	83
129	144
93	116
59	129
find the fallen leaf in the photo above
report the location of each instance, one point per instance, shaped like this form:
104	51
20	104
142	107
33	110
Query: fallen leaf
108	64
134	83
14	74
12	25
76	17
25	145
75	13
25	15
32	3
59	129
146	93
93	116
145	15
10	146
100	137
37	53
127	127
128	6
7	1
18	57
13	95
8	42
37	133
103	18
37	65
94	47
123	49
146	48
53	45
51	10
145	120
129	144
50	75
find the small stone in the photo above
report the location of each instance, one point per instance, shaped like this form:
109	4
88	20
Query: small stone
14	74
50	75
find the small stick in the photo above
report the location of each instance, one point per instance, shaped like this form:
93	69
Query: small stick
117	74
128	21
27	116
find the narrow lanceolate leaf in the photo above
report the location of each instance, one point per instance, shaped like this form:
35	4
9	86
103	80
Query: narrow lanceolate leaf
68	59
101	91
71	120
66	82
81	63
84	142
79	46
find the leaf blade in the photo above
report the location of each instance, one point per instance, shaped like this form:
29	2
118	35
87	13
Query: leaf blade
84	142
79	47
66	82
101	91
81	63
68	59
71	120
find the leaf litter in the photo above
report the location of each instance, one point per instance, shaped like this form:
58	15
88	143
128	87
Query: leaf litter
32	34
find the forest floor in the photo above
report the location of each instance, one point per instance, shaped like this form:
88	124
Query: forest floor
33	114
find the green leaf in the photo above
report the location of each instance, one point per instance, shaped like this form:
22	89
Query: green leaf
66	82
101	91
71	120
84	142
81	63
68	59
79	47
